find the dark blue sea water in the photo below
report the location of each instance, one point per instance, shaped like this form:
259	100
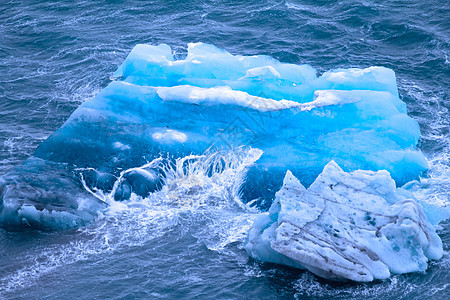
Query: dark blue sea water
56	54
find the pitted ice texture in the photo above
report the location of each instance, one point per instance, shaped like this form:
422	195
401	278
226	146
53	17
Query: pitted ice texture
345	226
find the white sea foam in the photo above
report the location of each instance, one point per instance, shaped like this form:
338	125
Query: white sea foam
202	188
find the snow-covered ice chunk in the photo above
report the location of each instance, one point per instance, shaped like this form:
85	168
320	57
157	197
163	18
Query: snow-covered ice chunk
345	226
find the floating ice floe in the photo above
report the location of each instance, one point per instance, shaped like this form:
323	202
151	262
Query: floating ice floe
354	226
212	100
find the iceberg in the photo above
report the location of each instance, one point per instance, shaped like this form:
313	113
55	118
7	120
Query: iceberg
354	226
161	107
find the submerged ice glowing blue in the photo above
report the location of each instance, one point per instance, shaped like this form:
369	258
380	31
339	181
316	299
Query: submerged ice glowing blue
212	100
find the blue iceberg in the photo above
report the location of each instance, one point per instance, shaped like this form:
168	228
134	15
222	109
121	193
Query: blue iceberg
162	108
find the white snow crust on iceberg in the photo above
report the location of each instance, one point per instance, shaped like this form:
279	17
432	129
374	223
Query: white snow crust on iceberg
345	226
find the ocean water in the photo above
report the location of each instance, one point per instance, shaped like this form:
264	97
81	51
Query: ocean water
54	55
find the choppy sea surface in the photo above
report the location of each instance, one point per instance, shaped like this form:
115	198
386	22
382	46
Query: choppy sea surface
56	54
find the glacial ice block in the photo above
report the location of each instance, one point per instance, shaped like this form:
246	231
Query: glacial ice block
345	226
214	99
299	120
162	107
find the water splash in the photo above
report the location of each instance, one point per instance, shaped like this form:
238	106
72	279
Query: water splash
200	191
